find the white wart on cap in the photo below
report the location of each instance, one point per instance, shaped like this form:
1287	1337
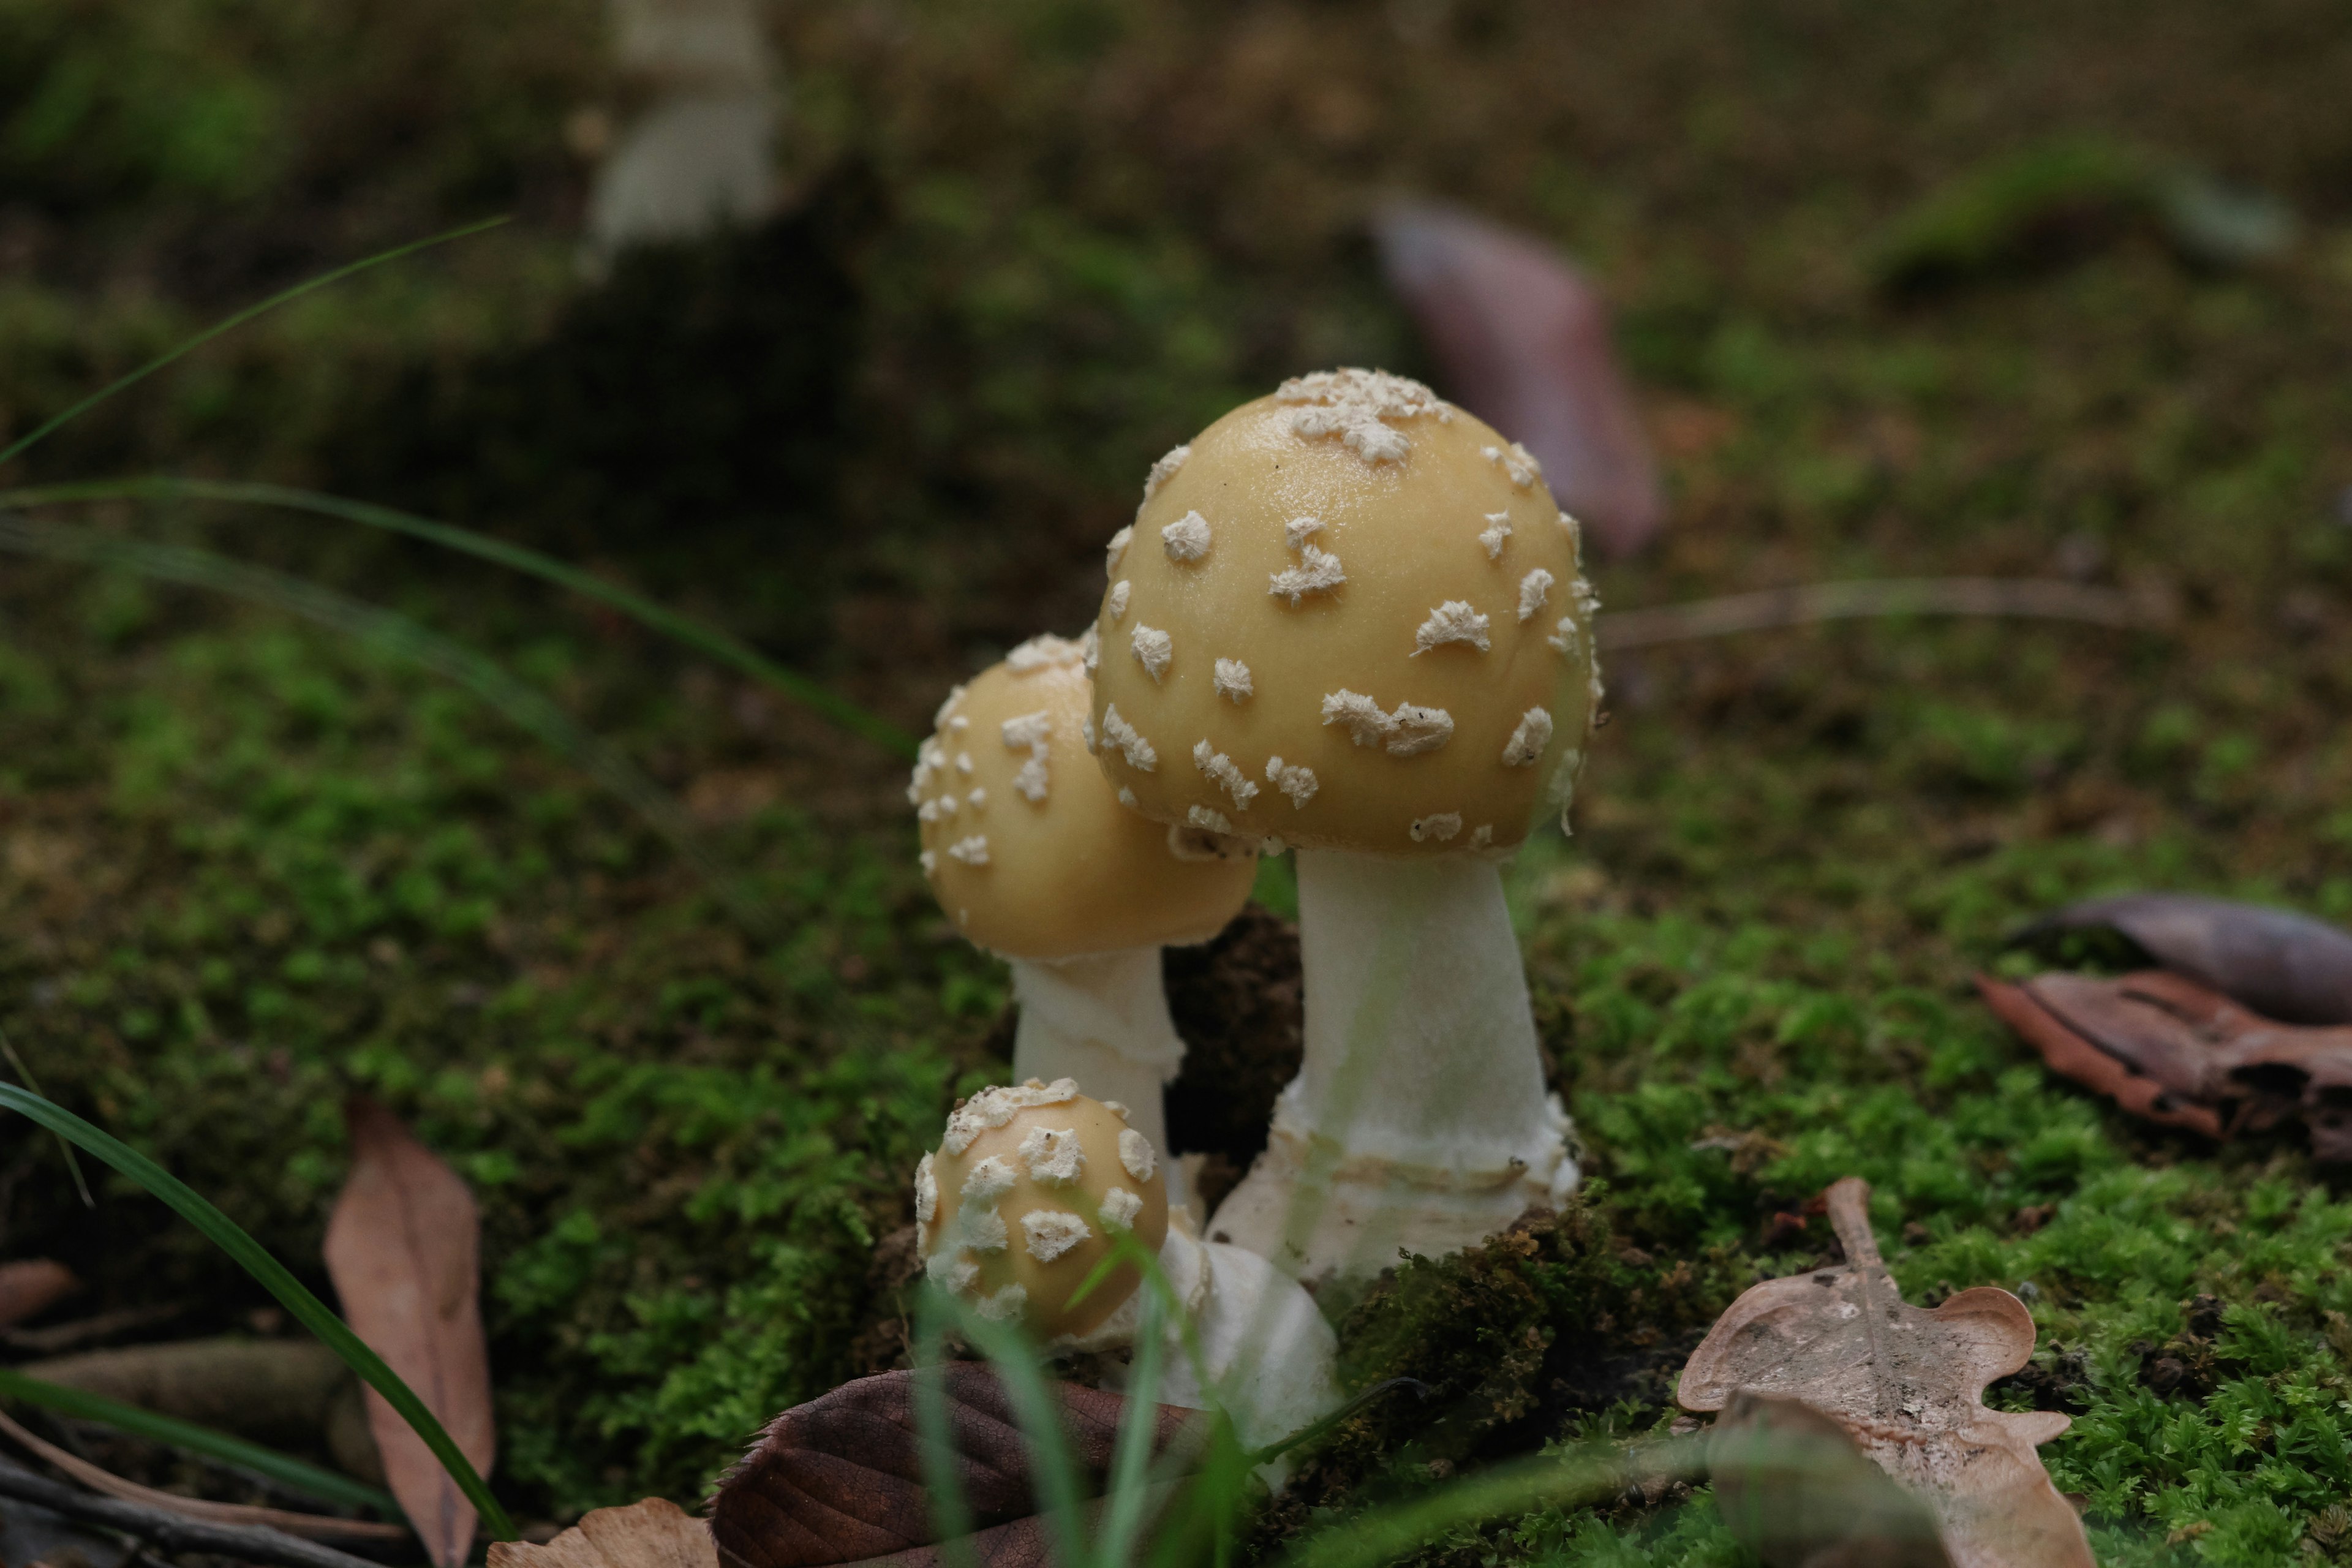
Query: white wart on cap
1369	630
1025	847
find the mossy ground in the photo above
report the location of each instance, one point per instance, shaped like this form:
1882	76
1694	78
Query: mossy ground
247	865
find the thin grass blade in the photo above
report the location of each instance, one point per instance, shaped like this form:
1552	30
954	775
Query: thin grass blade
1130	1469
308	1310
951	1510
287	1470
704	639
73	1161
1040	1415
233	323
1551	1480
403	638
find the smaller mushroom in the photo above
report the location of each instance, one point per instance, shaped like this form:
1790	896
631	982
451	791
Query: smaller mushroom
1021	1204
1032	854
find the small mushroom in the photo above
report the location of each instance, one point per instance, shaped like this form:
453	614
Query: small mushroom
1410	719
1033	855
1015	1208
1014	1212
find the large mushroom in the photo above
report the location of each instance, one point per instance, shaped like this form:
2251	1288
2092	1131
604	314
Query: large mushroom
1017	1208
1349	619
1035	859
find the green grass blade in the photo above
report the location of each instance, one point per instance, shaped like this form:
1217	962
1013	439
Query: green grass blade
73	1161
707	640
951	1518
1582	1476
234	322
1130	1465
405	638
327	1486
250	1255
1039	1414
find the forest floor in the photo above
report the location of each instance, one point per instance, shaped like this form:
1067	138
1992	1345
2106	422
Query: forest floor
249	863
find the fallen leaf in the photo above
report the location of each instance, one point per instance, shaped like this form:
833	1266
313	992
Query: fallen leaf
310	1526
1523	343
403	1248
1907	1384
655	1534
2281	965
2084	1037
32	1286
840	1479
1792	1484
2173	1051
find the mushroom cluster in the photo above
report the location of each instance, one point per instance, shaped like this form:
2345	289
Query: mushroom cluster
1349	619
1034	858
1020	1204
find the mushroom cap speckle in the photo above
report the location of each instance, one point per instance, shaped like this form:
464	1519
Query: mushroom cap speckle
1407	606
1014	1210
1029	851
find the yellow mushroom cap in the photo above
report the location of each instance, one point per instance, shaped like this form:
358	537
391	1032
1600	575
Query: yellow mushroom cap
1027	847
1349	615
1016	1207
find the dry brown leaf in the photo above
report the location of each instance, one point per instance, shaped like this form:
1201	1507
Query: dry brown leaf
655	1534
402	1249
2167	1049
1524	343
840	1479
1908	1386
31	1287
310	1526
2064	1024
2281	965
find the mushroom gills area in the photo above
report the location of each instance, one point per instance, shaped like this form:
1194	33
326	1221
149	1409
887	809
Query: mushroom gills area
1103	1020
1419	1117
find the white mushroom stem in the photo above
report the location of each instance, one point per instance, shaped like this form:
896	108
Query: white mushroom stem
1103	1020
1420	1045
1419	1116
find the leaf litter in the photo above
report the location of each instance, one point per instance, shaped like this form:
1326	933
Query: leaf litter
403	1250
2246	1028
840	1479
1906	1385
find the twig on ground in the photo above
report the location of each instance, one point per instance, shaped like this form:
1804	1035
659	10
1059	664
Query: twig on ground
170	1531
311	1526
65	1336
2029	598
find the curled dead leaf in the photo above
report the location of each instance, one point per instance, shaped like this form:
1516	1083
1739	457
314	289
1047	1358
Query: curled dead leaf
1907	1385
2281	965
840	1479
653	1533
403	1248
2168	1050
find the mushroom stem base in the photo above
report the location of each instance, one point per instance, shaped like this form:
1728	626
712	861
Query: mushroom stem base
1419	1117
1316	1215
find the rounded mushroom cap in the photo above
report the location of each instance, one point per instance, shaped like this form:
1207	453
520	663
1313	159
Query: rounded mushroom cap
1029	851
1349	615
1014	1210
